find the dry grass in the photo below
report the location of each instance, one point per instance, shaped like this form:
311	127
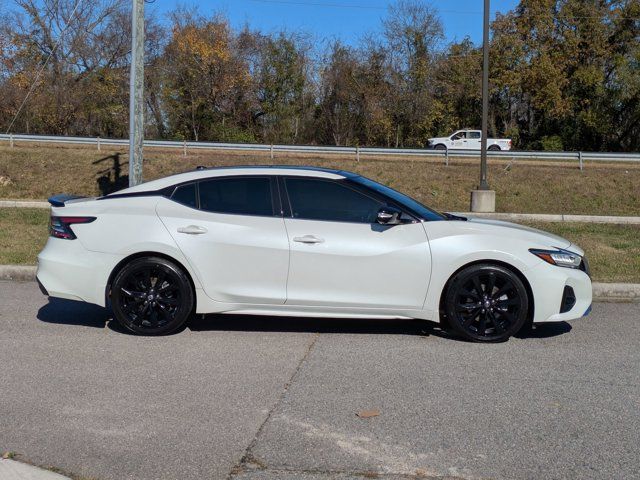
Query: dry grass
36	172
613	250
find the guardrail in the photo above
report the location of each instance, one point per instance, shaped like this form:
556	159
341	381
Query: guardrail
580	157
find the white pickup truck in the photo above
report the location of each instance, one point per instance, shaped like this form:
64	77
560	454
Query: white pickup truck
468	140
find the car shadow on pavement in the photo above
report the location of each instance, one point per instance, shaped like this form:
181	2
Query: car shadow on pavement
545	330
71	312
257	323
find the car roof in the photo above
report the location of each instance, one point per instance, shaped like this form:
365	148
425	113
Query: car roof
209	172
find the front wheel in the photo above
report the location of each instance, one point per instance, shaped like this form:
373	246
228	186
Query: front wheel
151	296
486	303
440	146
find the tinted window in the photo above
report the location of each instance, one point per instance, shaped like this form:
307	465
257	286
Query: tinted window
185	194
315	199
240	195
400	198
473	135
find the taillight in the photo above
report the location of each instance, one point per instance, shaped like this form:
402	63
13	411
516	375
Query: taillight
60	227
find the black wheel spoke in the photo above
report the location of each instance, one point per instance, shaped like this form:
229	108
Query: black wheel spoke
496	323
470	294
477	285
491	283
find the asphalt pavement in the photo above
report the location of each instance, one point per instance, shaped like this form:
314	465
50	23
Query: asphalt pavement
277	398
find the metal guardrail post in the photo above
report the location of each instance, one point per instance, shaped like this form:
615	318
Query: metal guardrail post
271	151
98	142
184	148
11	140
446	157
357	153
580	160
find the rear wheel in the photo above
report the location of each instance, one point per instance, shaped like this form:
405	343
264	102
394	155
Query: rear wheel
151	296
486	303
494	148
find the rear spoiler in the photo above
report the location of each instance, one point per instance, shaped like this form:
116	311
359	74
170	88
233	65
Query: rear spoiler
62	198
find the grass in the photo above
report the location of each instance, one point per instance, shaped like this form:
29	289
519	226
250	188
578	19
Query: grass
36	172
23	233
613	250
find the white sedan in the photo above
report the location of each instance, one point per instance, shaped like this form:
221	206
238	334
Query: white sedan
303	242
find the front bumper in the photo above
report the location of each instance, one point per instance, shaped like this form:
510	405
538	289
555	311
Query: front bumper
551	284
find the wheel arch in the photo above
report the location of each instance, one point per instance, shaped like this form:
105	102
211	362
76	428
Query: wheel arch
120	265
508	266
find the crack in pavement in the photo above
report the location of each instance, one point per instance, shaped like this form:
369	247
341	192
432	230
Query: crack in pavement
247	457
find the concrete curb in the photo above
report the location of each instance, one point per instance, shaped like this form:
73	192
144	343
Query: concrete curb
13	470
23	204
514	217
18	273
603	292
543	217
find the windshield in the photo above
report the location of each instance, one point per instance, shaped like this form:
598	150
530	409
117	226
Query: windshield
401	198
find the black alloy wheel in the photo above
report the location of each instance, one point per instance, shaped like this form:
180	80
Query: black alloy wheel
486	303
151	296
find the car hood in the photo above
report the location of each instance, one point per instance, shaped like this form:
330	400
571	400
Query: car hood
537	238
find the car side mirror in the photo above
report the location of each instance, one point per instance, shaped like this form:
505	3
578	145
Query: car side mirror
389	216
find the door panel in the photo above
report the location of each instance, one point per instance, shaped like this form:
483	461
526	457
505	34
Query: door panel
357	264
238	258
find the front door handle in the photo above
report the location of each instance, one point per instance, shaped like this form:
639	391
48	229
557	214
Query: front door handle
192	230
308	239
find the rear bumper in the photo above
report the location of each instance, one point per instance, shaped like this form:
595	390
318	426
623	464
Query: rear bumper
67	270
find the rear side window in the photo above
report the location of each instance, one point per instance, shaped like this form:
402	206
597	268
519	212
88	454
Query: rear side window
186	195
316	199
238	195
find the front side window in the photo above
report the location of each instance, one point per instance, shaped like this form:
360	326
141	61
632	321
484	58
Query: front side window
237	195
459	136
317	199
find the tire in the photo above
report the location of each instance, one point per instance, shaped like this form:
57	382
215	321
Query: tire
486	303
440	147
152	296
494	148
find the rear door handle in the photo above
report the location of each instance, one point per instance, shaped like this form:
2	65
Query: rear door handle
308	239
192	230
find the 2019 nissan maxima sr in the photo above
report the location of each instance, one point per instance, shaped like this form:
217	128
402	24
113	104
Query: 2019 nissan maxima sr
303	242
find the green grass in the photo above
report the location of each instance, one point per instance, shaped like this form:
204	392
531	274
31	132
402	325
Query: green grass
613	250
23	233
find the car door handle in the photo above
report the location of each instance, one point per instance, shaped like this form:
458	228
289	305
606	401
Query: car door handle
308	239
192	230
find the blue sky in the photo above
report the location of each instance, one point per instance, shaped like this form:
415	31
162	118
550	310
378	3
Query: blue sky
347	20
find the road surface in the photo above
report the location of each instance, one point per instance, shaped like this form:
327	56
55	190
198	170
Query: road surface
277	398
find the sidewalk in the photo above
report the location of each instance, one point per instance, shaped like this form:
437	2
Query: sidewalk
12	470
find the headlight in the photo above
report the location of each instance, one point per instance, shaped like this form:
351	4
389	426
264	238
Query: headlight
561	258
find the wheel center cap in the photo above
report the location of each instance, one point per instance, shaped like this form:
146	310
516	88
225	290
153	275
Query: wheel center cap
150	297
487	303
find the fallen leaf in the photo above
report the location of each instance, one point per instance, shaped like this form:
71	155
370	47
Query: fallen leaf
368	413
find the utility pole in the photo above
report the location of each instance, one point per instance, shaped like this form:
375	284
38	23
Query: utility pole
483	199
136	93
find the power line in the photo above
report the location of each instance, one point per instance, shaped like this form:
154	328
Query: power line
35	81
